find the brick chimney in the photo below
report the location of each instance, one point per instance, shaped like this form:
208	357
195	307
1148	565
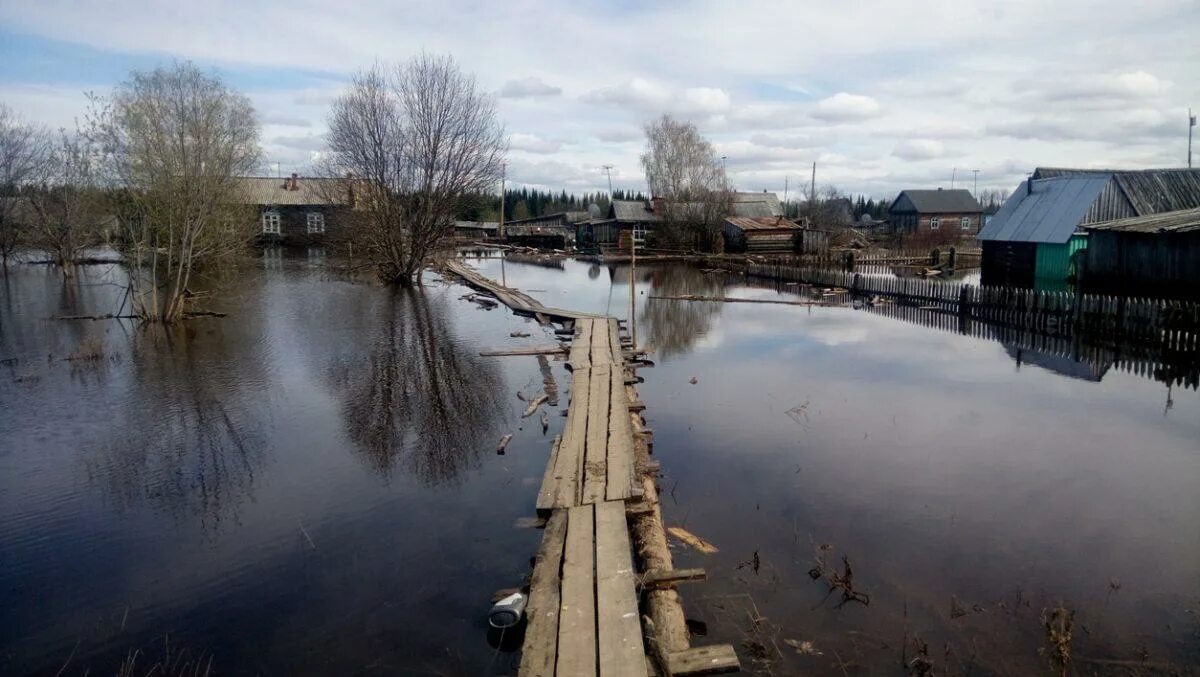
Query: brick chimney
295	182
656	205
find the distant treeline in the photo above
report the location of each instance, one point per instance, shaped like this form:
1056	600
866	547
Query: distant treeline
525	203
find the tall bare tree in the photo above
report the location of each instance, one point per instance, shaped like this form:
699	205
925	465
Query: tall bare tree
24	150
425	142
63	206
176	140
682	169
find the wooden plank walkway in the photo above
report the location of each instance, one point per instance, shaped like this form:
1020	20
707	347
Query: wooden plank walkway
583	610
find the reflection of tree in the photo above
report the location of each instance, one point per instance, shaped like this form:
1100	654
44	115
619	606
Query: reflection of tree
418	399
673	326
188	439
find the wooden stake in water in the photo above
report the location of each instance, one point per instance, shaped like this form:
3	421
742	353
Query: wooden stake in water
633	286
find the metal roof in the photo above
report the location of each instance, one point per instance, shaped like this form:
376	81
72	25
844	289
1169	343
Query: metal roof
1050	213
632	210
1149	191
762	223
1181	221
482	225
267	190
764	204
939	201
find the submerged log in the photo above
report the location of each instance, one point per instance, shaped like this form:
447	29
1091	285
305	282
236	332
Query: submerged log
533	406
548	350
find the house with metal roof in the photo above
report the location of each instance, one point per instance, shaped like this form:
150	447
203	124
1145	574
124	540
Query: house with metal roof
1032	240
296	209
1154	255
642	216
936	214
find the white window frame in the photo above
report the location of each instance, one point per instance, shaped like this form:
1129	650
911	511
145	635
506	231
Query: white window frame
315	222
966	223
271	222
935	223
639	233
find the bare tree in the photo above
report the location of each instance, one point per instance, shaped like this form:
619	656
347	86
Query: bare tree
176	141
24	149
682	169
425	142
63	205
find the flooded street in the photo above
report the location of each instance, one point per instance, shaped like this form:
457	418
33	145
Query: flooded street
309	485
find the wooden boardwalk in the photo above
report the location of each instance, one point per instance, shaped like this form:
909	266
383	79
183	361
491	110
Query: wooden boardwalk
587	600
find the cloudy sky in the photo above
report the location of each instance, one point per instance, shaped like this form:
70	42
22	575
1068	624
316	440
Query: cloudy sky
881	95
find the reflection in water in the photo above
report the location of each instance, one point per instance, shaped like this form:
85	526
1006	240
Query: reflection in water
673	327
417	398
184	443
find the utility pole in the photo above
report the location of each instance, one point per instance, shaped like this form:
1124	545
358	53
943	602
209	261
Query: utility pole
976	173
812	199
503	176
1191	126
953	176
608	172
785	192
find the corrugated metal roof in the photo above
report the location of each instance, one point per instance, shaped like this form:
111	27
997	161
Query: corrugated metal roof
1149	191
938	201
769	204
1050	213
1181	221
632	210
762	223
266	190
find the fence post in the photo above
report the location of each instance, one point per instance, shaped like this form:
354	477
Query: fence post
935	257
951	259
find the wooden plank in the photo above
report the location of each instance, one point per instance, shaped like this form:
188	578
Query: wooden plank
581	347
705	660
620	441
571	453
548	495
548	350
596	467
541	635
600	352
666	579
619	627
577	608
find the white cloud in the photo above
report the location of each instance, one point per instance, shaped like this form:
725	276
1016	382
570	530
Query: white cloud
843	107
528	88
531	143
919	149
646	96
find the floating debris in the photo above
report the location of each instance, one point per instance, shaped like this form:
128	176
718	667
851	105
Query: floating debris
804	648
690	539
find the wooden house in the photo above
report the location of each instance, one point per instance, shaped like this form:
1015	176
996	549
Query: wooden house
940	213
299	209
1033	239
475	230
641	217
549	231
772	234
1153	255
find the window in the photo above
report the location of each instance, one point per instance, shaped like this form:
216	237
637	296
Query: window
270	223
316	222
639	233
966	223
935	223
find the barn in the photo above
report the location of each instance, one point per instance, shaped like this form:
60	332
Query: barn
1155	255
771	234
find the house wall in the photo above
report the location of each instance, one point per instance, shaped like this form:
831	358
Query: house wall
951	222
1153	264
1054	261
1008	264
293	222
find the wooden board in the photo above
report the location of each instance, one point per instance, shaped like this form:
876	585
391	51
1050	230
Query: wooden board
541	635
577	607
548	494
596	466
706	660
619	627
600	352
620	441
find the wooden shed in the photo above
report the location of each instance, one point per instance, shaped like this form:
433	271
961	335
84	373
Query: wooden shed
771	234
1153	255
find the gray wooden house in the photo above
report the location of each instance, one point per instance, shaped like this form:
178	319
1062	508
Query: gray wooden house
300	210
936	211
1153	255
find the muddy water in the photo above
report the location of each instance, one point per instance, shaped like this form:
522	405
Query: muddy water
309	486
970	484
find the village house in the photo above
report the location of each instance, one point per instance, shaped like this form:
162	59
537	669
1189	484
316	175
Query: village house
299	209
475	230
1156	254
772	234
549	231
1032	241
639	217
936	214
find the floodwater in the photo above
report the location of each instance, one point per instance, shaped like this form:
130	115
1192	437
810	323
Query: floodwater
309	485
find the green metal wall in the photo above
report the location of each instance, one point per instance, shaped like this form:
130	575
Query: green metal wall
1054	261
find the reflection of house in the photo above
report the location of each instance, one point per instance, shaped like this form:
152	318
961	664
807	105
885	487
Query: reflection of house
772	234
936	211
1059	364
553	231
475	230
299	209
1031	240
1158	254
